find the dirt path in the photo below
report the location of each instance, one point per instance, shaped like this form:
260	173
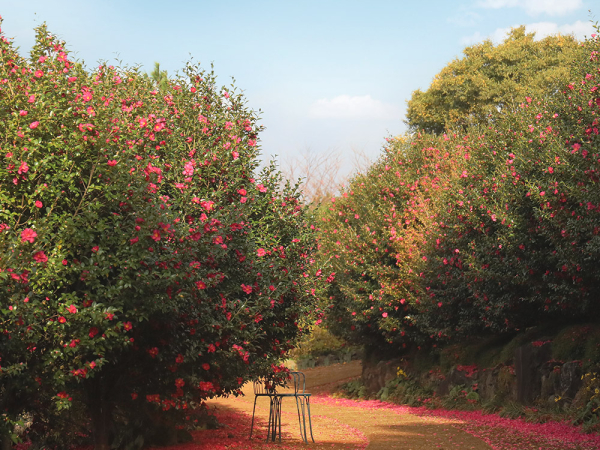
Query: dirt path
337	425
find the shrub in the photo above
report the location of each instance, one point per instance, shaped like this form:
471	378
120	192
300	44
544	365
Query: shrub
144	265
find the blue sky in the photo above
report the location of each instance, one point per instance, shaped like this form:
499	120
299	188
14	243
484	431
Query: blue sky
325	74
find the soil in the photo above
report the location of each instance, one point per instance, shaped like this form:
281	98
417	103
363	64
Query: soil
338	424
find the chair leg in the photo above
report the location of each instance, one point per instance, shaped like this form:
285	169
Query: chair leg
272	416
279	416
309	421
253	409
274	419
300	421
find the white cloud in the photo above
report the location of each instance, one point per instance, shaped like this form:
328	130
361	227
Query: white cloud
358	107
579	29
535	7
465	18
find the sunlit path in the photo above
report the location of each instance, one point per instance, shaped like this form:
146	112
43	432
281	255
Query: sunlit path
337	425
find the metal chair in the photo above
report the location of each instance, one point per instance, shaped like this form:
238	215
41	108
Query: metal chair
262	388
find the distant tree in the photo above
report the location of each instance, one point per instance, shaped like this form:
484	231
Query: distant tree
491	78
160	77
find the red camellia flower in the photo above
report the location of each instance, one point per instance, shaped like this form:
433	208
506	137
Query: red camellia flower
206	366
179	359
261	252
28	235
38	204
200	285
40	257
179	382
24	168
61	319
127	326
34	125
95	249
153	352
134	240
93	332
247	289
72	309
206	386
112	163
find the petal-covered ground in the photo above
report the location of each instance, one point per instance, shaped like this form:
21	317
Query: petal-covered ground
351	424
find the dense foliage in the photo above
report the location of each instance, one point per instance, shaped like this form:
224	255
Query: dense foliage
487	229
490	78
144	266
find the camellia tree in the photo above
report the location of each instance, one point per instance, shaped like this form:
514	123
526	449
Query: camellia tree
490	229
144	264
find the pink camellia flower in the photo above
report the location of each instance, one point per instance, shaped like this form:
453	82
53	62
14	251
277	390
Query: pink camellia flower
65	262
39	74
242	191
200	284
134	240
28	235
34	125
72	309
40	257
243	199
247	289
127	326
24	168
112	163
38	204
22	112
261	252
252	142
31	99
208	205
384	315
261	188
235	155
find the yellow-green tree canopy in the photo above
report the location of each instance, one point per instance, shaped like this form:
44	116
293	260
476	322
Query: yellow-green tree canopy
492	77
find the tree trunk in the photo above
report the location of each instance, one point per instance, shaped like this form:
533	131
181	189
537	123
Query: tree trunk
100	416
100	411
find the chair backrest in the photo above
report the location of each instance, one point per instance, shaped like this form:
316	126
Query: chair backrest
263	387
299	382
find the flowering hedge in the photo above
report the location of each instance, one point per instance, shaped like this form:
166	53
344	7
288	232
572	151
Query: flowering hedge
144	264
491	229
